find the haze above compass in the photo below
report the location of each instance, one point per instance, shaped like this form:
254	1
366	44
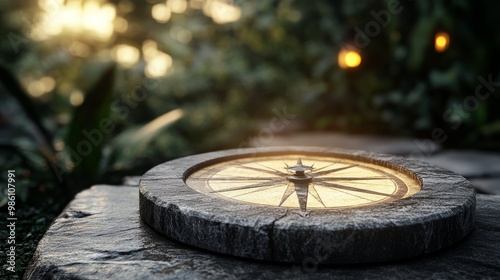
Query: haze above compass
304	182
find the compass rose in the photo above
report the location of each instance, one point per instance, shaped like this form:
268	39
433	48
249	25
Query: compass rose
327	183
300	183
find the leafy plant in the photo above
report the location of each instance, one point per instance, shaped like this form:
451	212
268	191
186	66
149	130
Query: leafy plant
83	161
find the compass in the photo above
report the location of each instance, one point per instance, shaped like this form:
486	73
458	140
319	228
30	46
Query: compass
293	204
328	182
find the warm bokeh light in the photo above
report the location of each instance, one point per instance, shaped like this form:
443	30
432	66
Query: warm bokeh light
161	13
149	49
78	49
76	98
159	65
89	18
181	34
196	4
125	55
157	62
59	145
349	59
125	6
441	41
177	6
121	25
222	11
41	87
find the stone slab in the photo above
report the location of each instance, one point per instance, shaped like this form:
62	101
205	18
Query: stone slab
379	144
470	164
100	236
440	214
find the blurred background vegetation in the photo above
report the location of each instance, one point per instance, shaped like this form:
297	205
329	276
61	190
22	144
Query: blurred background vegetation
93	90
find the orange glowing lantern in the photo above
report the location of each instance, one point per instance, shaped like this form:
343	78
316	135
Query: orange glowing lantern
349	59
441	41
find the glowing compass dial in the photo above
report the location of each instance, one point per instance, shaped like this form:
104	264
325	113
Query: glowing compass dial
303	181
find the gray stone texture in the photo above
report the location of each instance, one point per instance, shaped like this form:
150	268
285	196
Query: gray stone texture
100	236
434	218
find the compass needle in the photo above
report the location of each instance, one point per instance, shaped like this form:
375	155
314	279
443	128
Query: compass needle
326	166
270	168
262	170
347	188
314	193
333	170
238	178
260	190
302	190
251	186
289	190
351	194
350	178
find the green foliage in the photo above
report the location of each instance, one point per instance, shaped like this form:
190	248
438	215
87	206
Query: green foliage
87	119
11	85
131	148
26	144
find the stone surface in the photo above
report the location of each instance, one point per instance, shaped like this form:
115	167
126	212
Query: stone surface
380	144
487	185
469	164
437	216
100	236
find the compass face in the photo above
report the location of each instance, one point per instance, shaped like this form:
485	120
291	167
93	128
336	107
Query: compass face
304	182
